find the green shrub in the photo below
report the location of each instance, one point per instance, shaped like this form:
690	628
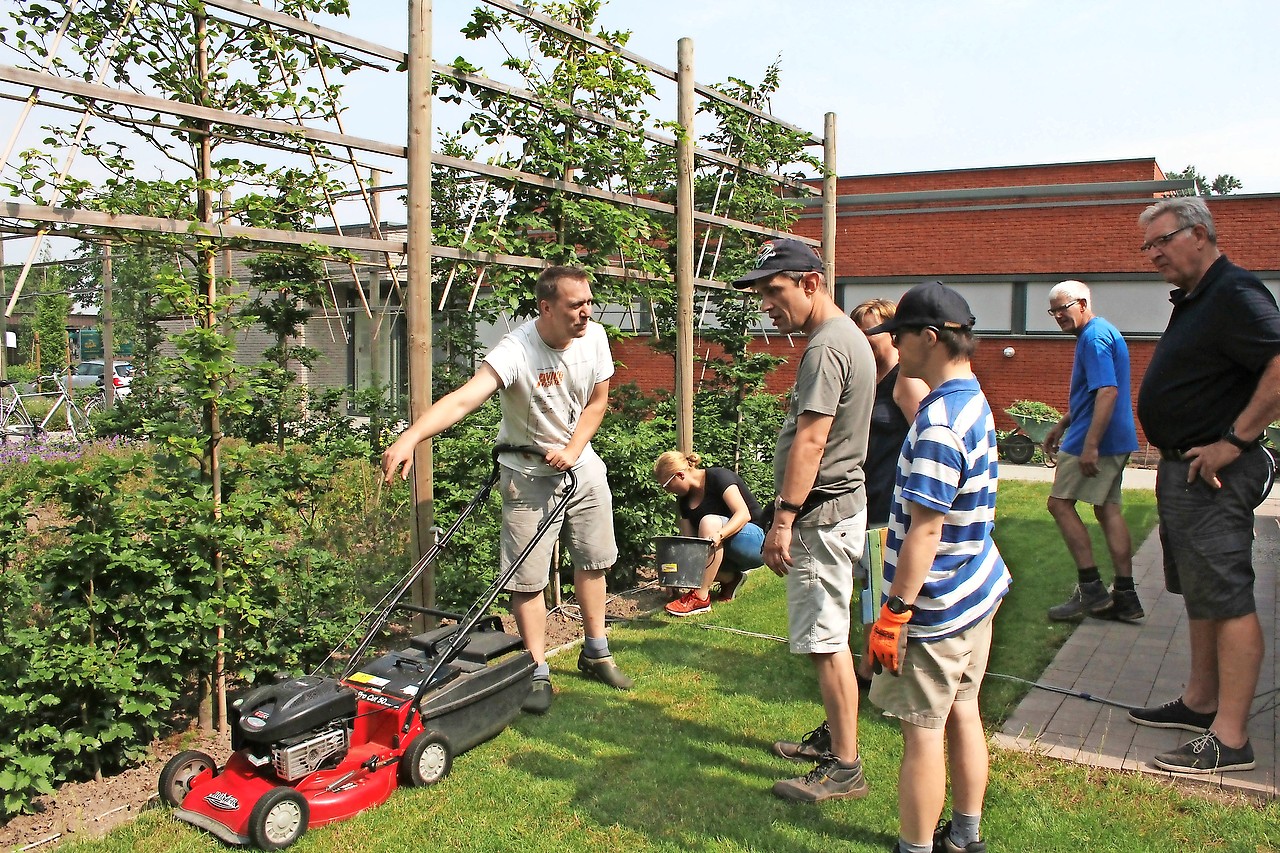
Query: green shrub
1035	410
112	600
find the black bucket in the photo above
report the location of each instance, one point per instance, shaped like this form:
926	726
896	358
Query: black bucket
682	560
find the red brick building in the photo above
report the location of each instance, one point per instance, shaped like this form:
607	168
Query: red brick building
1003	237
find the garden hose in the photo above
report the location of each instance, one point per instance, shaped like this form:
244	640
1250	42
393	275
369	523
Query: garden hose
1065	691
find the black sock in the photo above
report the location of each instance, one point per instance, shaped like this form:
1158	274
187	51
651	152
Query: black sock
1089	575
1124	583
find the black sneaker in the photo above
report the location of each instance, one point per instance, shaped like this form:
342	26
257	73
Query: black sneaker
539	699
1207	754
1122	605
603	669
827	781
810	748
1085	598
942	842
1172	715
731	587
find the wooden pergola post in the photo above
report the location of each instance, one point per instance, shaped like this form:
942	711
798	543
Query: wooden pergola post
418	304
684	245
829	204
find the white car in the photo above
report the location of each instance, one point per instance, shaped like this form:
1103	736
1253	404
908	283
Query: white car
88	374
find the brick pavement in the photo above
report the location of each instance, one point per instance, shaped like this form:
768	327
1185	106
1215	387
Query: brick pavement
1145	664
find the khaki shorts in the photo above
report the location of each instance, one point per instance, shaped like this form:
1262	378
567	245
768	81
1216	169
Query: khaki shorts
587	523
1070	483
820	584
935	676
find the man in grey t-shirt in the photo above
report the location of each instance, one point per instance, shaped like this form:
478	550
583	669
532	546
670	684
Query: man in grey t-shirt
820	514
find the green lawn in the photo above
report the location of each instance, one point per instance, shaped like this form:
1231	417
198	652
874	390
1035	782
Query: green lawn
682	762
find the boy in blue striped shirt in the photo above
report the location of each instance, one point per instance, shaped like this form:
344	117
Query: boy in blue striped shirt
944	577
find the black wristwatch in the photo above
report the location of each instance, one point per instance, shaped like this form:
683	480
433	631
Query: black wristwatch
789	506
897	605
1230	437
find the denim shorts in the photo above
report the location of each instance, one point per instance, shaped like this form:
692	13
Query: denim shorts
820	584
744	550
587	523
1207	534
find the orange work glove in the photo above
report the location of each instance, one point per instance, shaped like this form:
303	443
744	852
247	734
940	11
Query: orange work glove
888	644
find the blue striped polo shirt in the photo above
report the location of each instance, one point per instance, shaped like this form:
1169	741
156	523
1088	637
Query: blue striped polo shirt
948	463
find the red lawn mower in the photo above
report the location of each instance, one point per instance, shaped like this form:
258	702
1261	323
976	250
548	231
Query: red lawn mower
313	750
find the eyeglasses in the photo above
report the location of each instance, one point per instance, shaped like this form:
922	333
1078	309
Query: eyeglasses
902	330
672	477
1056	310
1163	240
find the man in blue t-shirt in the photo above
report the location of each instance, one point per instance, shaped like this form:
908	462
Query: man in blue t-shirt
1096	436
944	577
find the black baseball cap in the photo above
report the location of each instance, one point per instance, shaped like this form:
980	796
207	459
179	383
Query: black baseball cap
929	304
781	255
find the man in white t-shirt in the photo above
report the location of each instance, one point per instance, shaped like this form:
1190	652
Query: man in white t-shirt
552	376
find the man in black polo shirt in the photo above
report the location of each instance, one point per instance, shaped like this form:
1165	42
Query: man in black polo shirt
1212	387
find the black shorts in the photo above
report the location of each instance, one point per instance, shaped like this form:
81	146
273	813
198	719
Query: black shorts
1207	534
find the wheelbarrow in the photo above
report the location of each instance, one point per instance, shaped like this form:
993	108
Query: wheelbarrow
1020	444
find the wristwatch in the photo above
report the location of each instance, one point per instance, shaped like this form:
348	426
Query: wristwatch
897	605
1230	437
788	505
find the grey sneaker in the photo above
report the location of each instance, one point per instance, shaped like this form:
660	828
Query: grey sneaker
827	781
810	748
1207	754
1121	604
1172	715
1086	597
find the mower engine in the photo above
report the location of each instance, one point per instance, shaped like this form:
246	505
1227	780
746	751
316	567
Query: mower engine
292	760
298	725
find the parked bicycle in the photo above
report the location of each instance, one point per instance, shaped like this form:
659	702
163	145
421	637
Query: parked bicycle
66	412
15	420
74	414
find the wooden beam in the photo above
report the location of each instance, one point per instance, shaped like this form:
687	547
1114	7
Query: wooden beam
81	89
587	38
658	138
306	28
130	222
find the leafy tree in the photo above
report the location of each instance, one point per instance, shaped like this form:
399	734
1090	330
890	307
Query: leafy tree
549	139
736	372
1221	185
184	53
289	287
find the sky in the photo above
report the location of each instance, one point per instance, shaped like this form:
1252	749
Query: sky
922	85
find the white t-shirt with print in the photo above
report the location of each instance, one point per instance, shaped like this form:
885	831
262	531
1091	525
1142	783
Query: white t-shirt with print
544	390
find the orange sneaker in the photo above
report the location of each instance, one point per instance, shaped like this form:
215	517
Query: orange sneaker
689	604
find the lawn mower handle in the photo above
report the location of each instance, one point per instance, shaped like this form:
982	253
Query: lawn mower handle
459	637
391	601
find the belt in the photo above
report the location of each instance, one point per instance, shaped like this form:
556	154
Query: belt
1179	455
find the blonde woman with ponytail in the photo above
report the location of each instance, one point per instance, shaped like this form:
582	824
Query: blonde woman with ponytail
714	503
